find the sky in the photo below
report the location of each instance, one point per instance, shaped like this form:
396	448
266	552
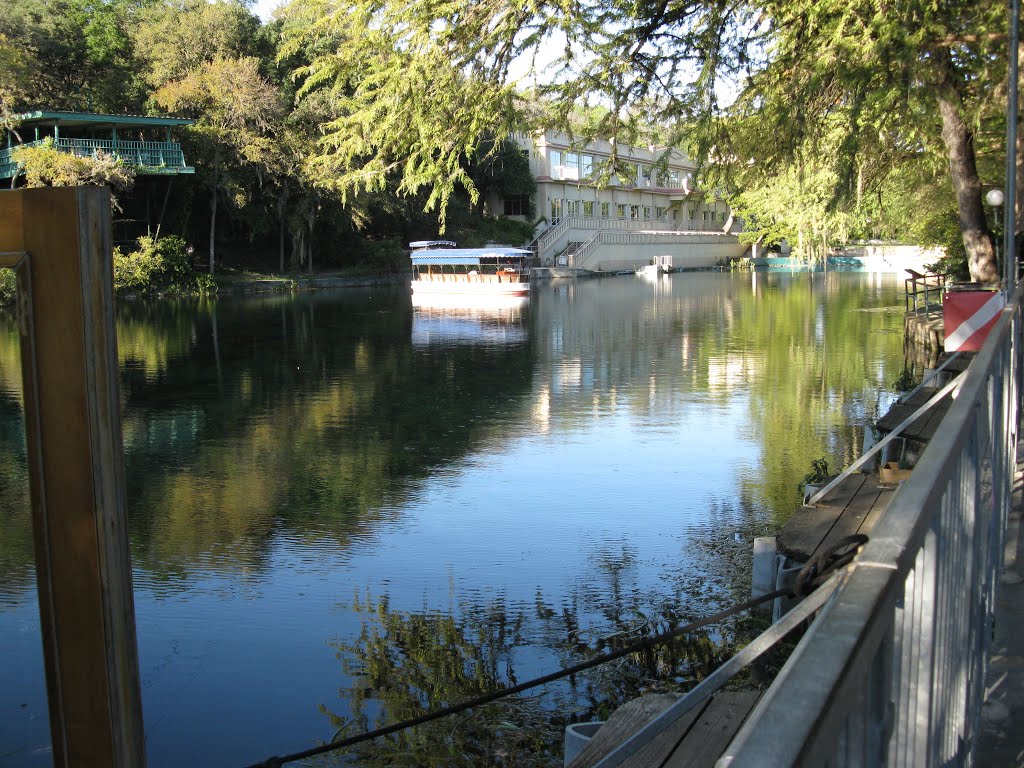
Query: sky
265	8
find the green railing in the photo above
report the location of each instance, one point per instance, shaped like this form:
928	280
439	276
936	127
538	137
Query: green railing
149	157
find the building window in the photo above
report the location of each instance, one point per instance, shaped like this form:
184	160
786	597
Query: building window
556	162
634	211
586	166
661	213
622	210
588	208
605	210
517	206
572	207
647	213
556	210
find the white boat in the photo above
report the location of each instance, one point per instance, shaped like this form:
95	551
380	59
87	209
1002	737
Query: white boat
441	268
649	271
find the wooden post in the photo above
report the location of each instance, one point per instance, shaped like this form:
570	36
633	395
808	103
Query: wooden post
59	242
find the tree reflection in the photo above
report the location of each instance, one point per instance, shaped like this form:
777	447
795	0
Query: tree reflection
405	664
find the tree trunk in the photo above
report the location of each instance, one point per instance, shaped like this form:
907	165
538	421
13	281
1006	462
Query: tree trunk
280	222
310	221
963	170
163	209
213	218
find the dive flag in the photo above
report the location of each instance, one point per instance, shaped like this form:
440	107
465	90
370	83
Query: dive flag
968	316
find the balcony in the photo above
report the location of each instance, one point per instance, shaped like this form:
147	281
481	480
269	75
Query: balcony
146	157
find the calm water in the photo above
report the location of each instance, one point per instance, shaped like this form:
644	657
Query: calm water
346	510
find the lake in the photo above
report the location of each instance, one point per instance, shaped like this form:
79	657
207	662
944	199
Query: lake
346	510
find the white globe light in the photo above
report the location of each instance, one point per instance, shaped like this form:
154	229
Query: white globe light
994	197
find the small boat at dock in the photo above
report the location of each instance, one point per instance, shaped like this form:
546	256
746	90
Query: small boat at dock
650	271
439	267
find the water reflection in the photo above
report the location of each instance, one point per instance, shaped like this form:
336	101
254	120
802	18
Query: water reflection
442	319
405	664
516	485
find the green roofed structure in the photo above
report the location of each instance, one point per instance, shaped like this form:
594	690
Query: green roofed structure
142	142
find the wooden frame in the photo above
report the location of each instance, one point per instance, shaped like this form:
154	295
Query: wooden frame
58	241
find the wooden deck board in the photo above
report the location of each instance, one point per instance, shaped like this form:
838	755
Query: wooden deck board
924	426
630	718
867	505
713	731
813	528
696	740
805	531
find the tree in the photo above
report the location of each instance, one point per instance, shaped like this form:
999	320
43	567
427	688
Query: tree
175	39
79	55
237	112
903	87
419	85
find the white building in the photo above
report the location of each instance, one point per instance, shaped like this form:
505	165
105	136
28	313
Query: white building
650	201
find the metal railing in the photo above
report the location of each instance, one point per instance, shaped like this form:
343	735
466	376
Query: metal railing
923	292
892	672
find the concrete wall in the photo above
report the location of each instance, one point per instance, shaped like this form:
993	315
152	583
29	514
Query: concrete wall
697	252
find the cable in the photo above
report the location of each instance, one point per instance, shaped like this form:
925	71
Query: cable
812	575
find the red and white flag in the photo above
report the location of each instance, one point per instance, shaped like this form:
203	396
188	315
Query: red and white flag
968	316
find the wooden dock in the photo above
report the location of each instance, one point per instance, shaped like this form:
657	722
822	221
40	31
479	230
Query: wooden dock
851	507
924	427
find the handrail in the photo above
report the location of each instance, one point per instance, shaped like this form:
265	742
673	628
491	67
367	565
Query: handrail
717	679
930	282
892	672
870	453
628	238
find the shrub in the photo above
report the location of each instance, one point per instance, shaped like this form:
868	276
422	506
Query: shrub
384	256
159	265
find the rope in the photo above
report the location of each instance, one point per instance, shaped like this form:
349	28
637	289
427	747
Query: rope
810	577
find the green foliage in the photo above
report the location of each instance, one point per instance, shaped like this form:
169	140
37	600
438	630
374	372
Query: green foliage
505	171
473	232
44	165
384	257
77	55
906	381
8	287
818	473
159	266
176	40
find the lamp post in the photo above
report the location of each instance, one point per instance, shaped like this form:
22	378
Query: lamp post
994	197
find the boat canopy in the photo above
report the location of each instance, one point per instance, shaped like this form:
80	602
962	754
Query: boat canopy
420	244
468	255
